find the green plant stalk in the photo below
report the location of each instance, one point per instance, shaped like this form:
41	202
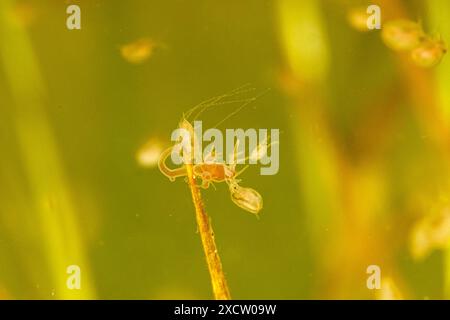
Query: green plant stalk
54	212
306	54
218	280
439	23
305	48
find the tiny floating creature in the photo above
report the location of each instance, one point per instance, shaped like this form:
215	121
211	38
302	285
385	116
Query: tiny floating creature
210	170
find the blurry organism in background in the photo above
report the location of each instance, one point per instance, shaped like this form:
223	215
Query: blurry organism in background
429	53
389	290
406	35
364	18
147	156
138	51
430	233
402	34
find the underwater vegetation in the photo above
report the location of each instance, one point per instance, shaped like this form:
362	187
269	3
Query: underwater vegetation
355	200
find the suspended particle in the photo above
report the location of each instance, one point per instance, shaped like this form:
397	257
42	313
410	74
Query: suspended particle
402	35
429	53
148	155
138	51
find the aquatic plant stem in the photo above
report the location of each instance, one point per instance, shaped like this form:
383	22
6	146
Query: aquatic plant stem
218	281
53	221
438	22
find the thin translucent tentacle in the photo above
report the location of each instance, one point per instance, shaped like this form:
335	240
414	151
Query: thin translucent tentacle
172	174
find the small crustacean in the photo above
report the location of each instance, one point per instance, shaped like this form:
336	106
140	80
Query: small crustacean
208	172
246	198
211	171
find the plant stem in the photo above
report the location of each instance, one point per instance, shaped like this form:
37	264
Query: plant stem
54	217
438	22
218	281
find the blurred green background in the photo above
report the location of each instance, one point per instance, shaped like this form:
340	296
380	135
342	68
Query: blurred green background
364	150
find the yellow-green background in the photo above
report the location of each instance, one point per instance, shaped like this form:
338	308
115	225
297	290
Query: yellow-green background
363	150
